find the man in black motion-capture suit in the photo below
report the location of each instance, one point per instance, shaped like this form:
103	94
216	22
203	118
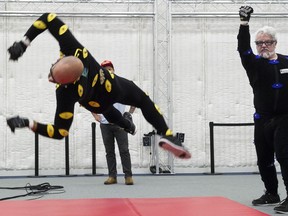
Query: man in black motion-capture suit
81	79
268	76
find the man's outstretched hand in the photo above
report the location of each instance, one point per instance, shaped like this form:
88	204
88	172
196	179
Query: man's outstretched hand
17	122
16	50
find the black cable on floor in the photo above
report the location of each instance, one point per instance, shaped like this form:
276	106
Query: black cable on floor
35	190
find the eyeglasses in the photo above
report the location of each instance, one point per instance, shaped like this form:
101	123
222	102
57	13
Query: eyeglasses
51	70
267	43
51	74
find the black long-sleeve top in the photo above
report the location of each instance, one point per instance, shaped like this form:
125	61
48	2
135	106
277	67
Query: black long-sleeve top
268	78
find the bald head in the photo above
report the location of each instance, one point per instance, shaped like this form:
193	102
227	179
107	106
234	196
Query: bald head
66	70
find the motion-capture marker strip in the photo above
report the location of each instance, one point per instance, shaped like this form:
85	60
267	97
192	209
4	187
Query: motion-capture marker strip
35	190
211	126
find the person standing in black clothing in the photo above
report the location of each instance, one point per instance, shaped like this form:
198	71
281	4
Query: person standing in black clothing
81	79
268	76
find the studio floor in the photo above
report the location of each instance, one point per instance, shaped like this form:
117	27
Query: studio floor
241	188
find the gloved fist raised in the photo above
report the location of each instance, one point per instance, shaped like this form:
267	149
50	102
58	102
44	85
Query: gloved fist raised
245	13
17	122
17	50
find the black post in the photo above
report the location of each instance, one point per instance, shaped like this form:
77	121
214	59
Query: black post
211	126
93	125
36	154
67	154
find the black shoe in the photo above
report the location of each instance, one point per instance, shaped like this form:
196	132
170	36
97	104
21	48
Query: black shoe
174	145
132	129
266	199
282	207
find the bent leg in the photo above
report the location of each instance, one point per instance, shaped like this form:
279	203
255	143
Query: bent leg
132	95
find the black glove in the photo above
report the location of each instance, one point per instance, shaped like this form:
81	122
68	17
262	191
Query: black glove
128	116
132	128
17	122
17	50
245	13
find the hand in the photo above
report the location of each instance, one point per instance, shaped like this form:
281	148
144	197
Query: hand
17	122
245	13
127	115
17	50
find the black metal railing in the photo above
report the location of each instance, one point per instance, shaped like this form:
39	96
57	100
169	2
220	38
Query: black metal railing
67	160
211	126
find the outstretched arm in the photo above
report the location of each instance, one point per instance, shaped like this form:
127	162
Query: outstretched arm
244	48
60	31
244	34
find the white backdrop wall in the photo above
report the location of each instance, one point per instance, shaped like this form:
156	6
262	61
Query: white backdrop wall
208	84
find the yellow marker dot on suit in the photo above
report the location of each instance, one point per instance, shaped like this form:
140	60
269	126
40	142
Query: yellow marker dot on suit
39	25
85	53
63	132
50	130
80	90
63	29
108	86
51	17
94	104
95	80
112	75
169	132
66	115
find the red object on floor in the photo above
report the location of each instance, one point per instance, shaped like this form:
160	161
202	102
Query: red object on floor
184	206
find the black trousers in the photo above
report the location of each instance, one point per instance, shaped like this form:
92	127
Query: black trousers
109	134
271	139
126	92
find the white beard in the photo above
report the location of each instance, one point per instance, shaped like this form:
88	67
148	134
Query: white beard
267	55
